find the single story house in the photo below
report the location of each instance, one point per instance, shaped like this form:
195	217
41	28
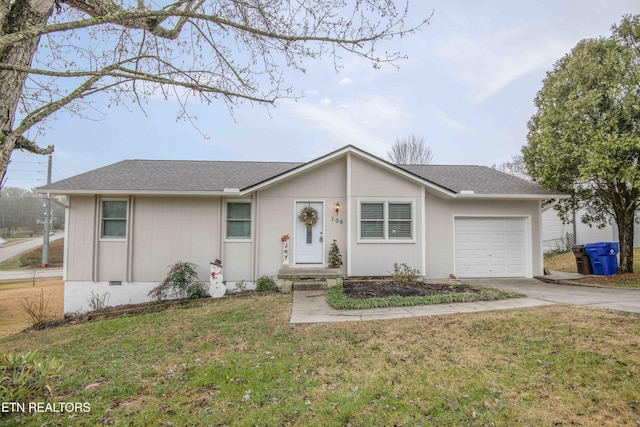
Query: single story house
128	222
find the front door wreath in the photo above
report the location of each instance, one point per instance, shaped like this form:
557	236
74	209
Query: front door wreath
308	216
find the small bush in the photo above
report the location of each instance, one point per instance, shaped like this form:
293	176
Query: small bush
37	307
335	257
98	302
402	273
181	282
266	284
25	377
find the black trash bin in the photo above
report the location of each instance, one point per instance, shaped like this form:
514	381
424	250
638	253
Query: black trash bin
583	261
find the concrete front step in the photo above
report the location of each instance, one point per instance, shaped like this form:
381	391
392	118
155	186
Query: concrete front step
309	285
309	273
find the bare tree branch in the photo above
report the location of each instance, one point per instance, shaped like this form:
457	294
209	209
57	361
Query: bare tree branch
54	54
412	150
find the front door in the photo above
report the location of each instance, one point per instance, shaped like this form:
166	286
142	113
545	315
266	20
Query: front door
309	239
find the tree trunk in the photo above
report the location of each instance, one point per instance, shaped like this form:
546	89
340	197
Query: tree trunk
22	15
625	235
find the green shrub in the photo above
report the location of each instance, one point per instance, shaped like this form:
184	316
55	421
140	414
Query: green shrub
403	273
181	282
266	284
26	377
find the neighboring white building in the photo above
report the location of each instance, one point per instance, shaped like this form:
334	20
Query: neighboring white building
127	222
555	232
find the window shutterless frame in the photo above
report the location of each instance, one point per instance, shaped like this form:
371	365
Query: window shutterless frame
113	219
386	221
238	221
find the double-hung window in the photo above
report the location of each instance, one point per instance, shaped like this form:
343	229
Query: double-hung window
372	220
239	220
399	224
385	221
114	219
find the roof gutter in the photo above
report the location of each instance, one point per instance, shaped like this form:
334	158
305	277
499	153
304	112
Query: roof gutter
470	195
137	192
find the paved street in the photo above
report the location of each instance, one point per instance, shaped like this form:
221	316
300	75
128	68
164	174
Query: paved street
10	250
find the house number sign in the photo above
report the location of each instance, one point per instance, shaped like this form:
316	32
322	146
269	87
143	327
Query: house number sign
336	220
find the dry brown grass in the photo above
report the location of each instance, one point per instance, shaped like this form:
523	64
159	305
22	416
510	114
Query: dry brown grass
567	262
13	317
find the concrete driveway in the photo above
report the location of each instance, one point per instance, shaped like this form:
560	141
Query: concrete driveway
312	306
609	298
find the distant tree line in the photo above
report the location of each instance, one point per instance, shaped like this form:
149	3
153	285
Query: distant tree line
21	209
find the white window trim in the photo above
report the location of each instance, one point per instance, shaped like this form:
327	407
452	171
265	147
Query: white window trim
126	219
252	219
386	239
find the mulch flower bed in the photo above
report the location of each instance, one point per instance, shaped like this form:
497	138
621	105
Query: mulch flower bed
385	288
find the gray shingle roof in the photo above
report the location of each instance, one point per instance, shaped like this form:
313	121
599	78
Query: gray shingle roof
172	176
157	176
479	179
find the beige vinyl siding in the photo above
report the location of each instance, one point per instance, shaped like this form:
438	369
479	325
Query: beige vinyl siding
170	229
112	263
237	262
80	239
370	184
440	214
276	212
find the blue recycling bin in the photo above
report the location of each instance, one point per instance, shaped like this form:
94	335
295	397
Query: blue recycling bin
604	257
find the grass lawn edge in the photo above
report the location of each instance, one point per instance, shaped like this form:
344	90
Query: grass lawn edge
341	301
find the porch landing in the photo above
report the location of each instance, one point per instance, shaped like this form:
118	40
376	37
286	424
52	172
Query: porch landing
309	273
308	278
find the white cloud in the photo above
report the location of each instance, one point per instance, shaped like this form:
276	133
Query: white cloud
453	123
370	122
325	101
490	61
345	81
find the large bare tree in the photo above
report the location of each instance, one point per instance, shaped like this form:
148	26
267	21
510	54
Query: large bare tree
56	53
411	150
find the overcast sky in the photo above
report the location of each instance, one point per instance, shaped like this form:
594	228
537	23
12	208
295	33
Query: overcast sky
468	87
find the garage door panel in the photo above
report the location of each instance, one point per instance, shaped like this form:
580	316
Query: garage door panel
515	254
490	247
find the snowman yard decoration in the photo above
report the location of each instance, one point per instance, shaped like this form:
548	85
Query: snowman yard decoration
217	289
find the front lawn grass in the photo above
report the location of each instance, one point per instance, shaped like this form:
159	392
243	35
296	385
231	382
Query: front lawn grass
240	362
338	299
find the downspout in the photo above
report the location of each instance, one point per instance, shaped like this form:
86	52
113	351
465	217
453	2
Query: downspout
423	234
350	218
67	214
96	237
129	272
255	234
221	230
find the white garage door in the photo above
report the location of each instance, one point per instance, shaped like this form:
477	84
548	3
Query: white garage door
490	247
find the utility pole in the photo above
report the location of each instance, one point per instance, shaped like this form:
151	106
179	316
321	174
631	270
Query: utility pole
47	220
